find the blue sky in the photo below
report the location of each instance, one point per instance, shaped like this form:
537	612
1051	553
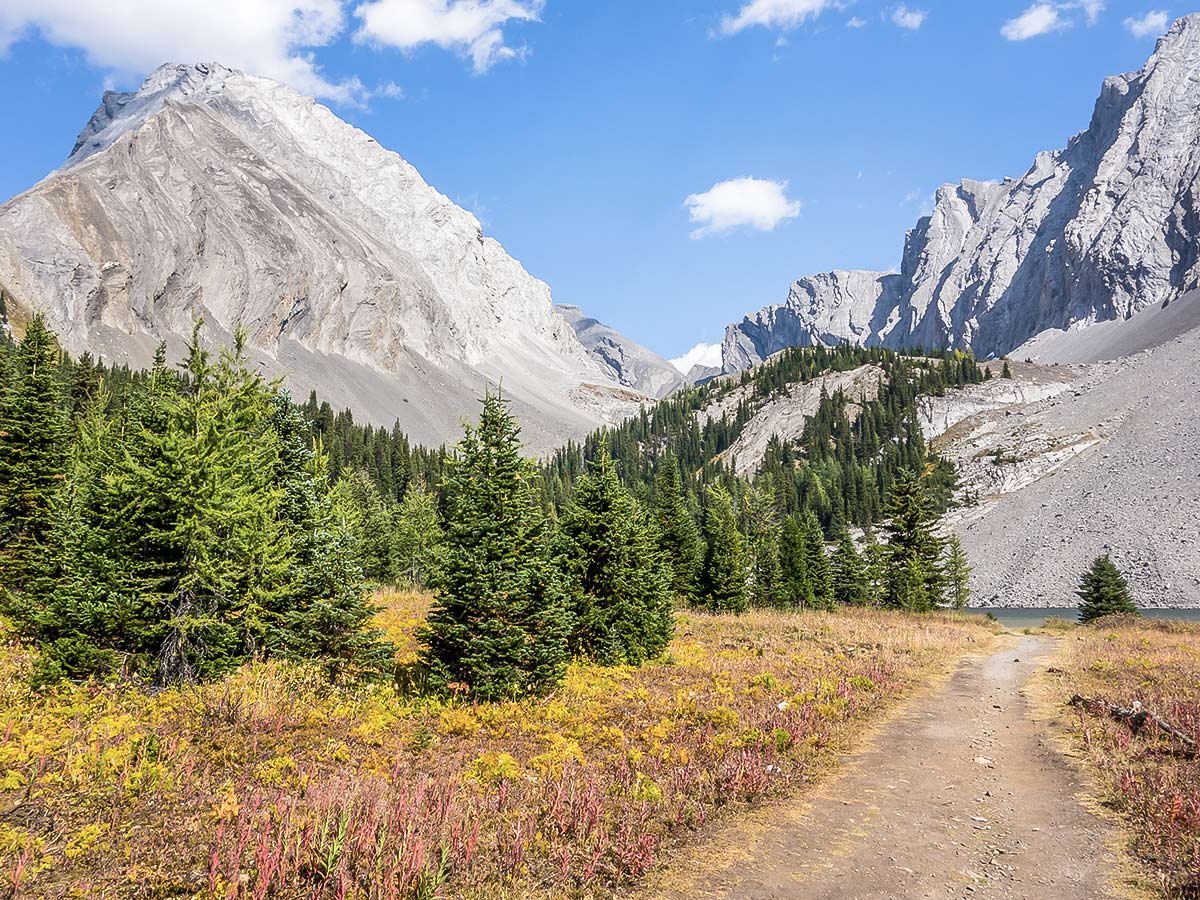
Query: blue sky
578	130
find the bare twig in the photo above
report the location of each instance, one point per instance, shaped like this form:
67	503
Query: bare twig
1135	718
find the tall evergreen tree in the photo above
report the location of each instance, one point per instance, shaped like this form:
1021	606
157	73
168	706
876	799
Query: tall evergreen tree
619	582
1103	591
360	507
762	540
958	574
820	572
500	621
851	586
418	537
914	548
793	563
679	536
34	446
326	614
874	555
723	584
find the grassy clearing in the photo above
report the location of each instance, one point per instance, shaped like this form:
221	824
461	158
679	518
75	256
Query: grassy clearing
270	784
1156	791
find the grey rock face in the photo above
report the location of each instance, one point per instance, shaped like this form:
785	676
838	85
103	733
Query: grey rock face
213	193
629	363
1106	227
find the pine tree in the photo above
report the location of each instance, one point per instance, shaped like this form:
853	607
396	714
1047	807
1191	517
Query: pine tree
874	555
679	536
1103	591
500	621
327	615
1006	372
360	506
820	573
723	583
762	540
850	577
34	446
914	547
958	574
418	537
793	564
619	582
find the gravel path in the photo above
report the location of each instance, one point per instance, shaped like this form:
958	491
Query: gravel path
961	796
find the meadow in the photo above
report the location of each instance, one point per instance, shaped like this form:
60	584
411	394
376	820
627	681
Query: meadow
273	784
1146	778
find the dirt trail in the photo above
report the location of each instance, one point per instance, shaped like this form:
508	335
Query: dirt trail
961	796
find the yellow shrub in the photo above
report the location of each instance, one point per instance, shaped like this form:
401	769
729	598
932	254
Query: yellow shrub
562	750
85	839
458	721
492	768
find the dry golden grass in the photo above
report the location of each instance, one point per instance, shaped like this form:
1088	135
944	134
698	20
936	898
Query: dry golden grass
1145	779
272	784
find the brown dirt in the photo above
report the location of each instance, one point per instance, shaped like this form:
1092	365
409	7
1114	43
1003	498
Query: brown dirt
962	795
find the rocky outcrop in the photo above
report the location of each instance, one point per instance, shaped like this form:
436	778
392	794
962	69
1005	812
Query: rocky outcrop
1063	463
627	362
212	193
1106	227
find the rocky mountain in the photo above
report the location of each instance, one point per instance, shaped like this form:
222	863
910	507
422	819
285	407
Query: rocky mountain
629	363
1066	462
1095	232
212	193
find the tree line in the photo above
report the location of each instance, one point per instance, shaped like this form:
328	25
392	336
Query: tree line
171	524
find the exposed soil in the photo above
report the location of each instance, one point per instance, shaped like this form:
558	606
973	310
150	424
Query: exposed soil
961	795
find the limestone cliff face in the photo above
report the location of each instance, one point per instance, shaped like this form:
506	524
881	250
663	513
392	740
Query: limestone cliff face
630	363
1106	227
213	193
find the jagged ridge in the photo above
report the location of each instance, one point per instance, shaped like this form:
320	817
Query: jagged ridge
1097	231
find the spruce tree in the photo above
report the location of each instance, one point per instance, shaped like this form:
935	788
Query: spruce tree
418	537
678	535
874	556
326	615
1006	372
360	506
762	541
723	583
1103	591
958	574
820	573
914	547
500	621
793	564
619	582
850	577
34	445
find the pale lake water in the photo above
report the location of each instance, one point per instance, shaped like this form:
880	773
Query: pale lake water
1011	617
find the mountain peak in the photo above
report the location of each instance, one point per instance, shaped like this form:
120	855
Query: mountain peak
216	194
1096	231
123	111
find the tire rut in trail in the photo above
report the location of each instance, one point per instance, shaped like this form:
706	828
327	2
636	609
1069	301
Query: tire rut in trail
960	796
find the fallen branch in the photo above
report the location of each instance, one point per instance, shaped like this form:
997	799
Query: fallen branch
1135	719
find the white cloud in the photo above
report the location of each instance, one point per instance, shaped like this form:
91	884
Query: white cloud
274	38
776	14
1151	24
856	22
912	19
1041	18
1092	9
741	202
473	28
707	355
